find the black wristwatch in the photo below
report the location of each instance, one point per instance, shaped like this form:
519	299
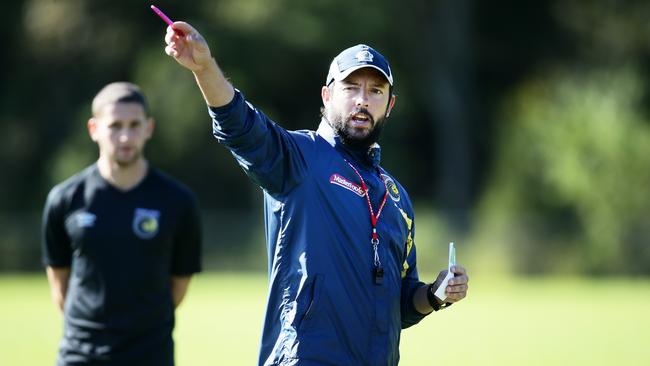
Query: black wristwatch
431	297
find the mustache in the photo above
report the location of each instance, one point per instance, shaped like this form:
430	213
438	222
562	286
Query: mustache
361	111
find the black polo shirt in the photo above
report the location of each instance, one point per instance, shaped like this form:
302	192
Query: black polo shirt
122	247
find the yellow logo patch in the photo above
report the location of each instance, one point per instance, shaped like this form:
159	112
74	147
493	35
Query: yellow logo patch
393	191
146	223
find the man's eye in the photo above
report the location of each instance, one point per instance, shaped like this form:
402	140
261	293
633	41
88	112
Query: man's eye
377	91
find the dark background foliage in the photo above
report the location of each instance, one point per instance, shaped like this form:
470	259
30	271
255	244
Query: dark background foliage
495	100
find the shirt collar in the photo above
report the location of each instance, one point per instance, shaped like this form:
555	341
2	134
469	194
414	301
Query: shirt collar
370	156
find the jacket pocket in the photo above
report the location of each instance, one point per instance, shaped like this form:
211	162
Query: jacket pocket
312	300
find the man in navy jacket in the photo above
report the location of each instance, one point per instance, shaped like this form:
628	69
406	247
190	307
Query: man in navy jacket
339	228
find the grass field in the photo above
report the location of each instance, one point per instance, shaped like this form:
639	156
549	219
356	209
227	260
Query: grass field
524	322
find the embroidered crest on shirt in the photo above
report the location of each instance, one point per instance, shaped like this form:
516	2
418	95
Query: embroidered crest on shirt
146	223
342	182
393	191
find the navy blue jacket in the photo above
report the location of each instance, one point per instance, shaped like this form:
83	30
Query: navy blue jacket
323	306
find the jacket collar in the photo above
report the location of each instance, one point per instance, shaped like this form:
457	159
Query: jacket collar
370	157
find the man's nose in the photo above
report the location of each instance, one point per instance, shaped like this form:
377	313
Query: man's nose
362	99
124	135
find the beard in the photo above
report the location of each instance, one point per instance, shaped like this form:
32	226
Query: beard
342	127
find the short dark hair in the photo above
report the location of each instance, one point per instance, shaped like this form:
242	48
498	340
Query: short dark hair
119	92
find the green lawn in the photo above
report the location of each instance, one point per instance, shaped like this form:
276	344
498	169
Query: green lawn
527	322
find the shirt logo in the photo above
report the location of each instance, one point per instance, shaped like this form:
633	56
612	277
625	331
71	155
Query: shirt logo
393	191
342	182
85	219
146	223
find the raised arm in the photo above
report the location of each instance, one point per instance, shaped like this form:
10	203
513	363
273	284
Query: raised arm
272	157
190	49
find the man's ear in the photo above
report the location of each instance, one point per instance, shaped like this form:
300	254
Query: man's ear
326	95
391	104
92	128
151	126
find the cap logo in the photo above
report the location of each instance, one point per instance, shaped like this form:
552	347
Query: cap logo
364	56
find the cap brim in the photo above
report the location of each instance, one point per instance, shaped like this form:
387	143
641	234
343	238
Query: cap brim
350	70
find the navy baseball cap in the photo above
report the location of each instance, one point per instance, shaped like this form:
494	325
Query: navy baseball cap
355	58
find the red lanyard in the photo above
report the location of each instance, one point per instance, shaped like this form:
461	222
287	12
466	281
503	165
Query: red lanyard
378	270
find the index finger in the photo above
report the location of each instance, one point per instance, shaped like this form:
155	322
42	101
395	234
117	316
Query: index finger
458	270
182	27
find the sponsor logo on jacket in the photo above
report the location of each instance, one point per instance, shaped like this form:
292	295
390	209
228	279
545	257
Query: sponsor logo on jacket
342	182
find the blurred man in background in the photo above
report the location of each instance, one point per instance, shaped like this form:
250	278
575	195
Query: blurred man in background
121	241
342	262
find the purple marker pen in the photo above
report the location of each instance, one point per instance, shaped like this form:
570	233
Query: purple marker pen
165	18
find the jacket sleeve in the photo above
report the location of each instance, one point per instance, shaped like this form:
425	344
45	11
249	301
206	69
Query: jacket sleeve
271	156
410	282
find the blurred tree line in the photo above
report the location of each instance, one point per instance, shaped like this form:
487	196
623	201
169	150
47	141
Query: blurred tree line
520	128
